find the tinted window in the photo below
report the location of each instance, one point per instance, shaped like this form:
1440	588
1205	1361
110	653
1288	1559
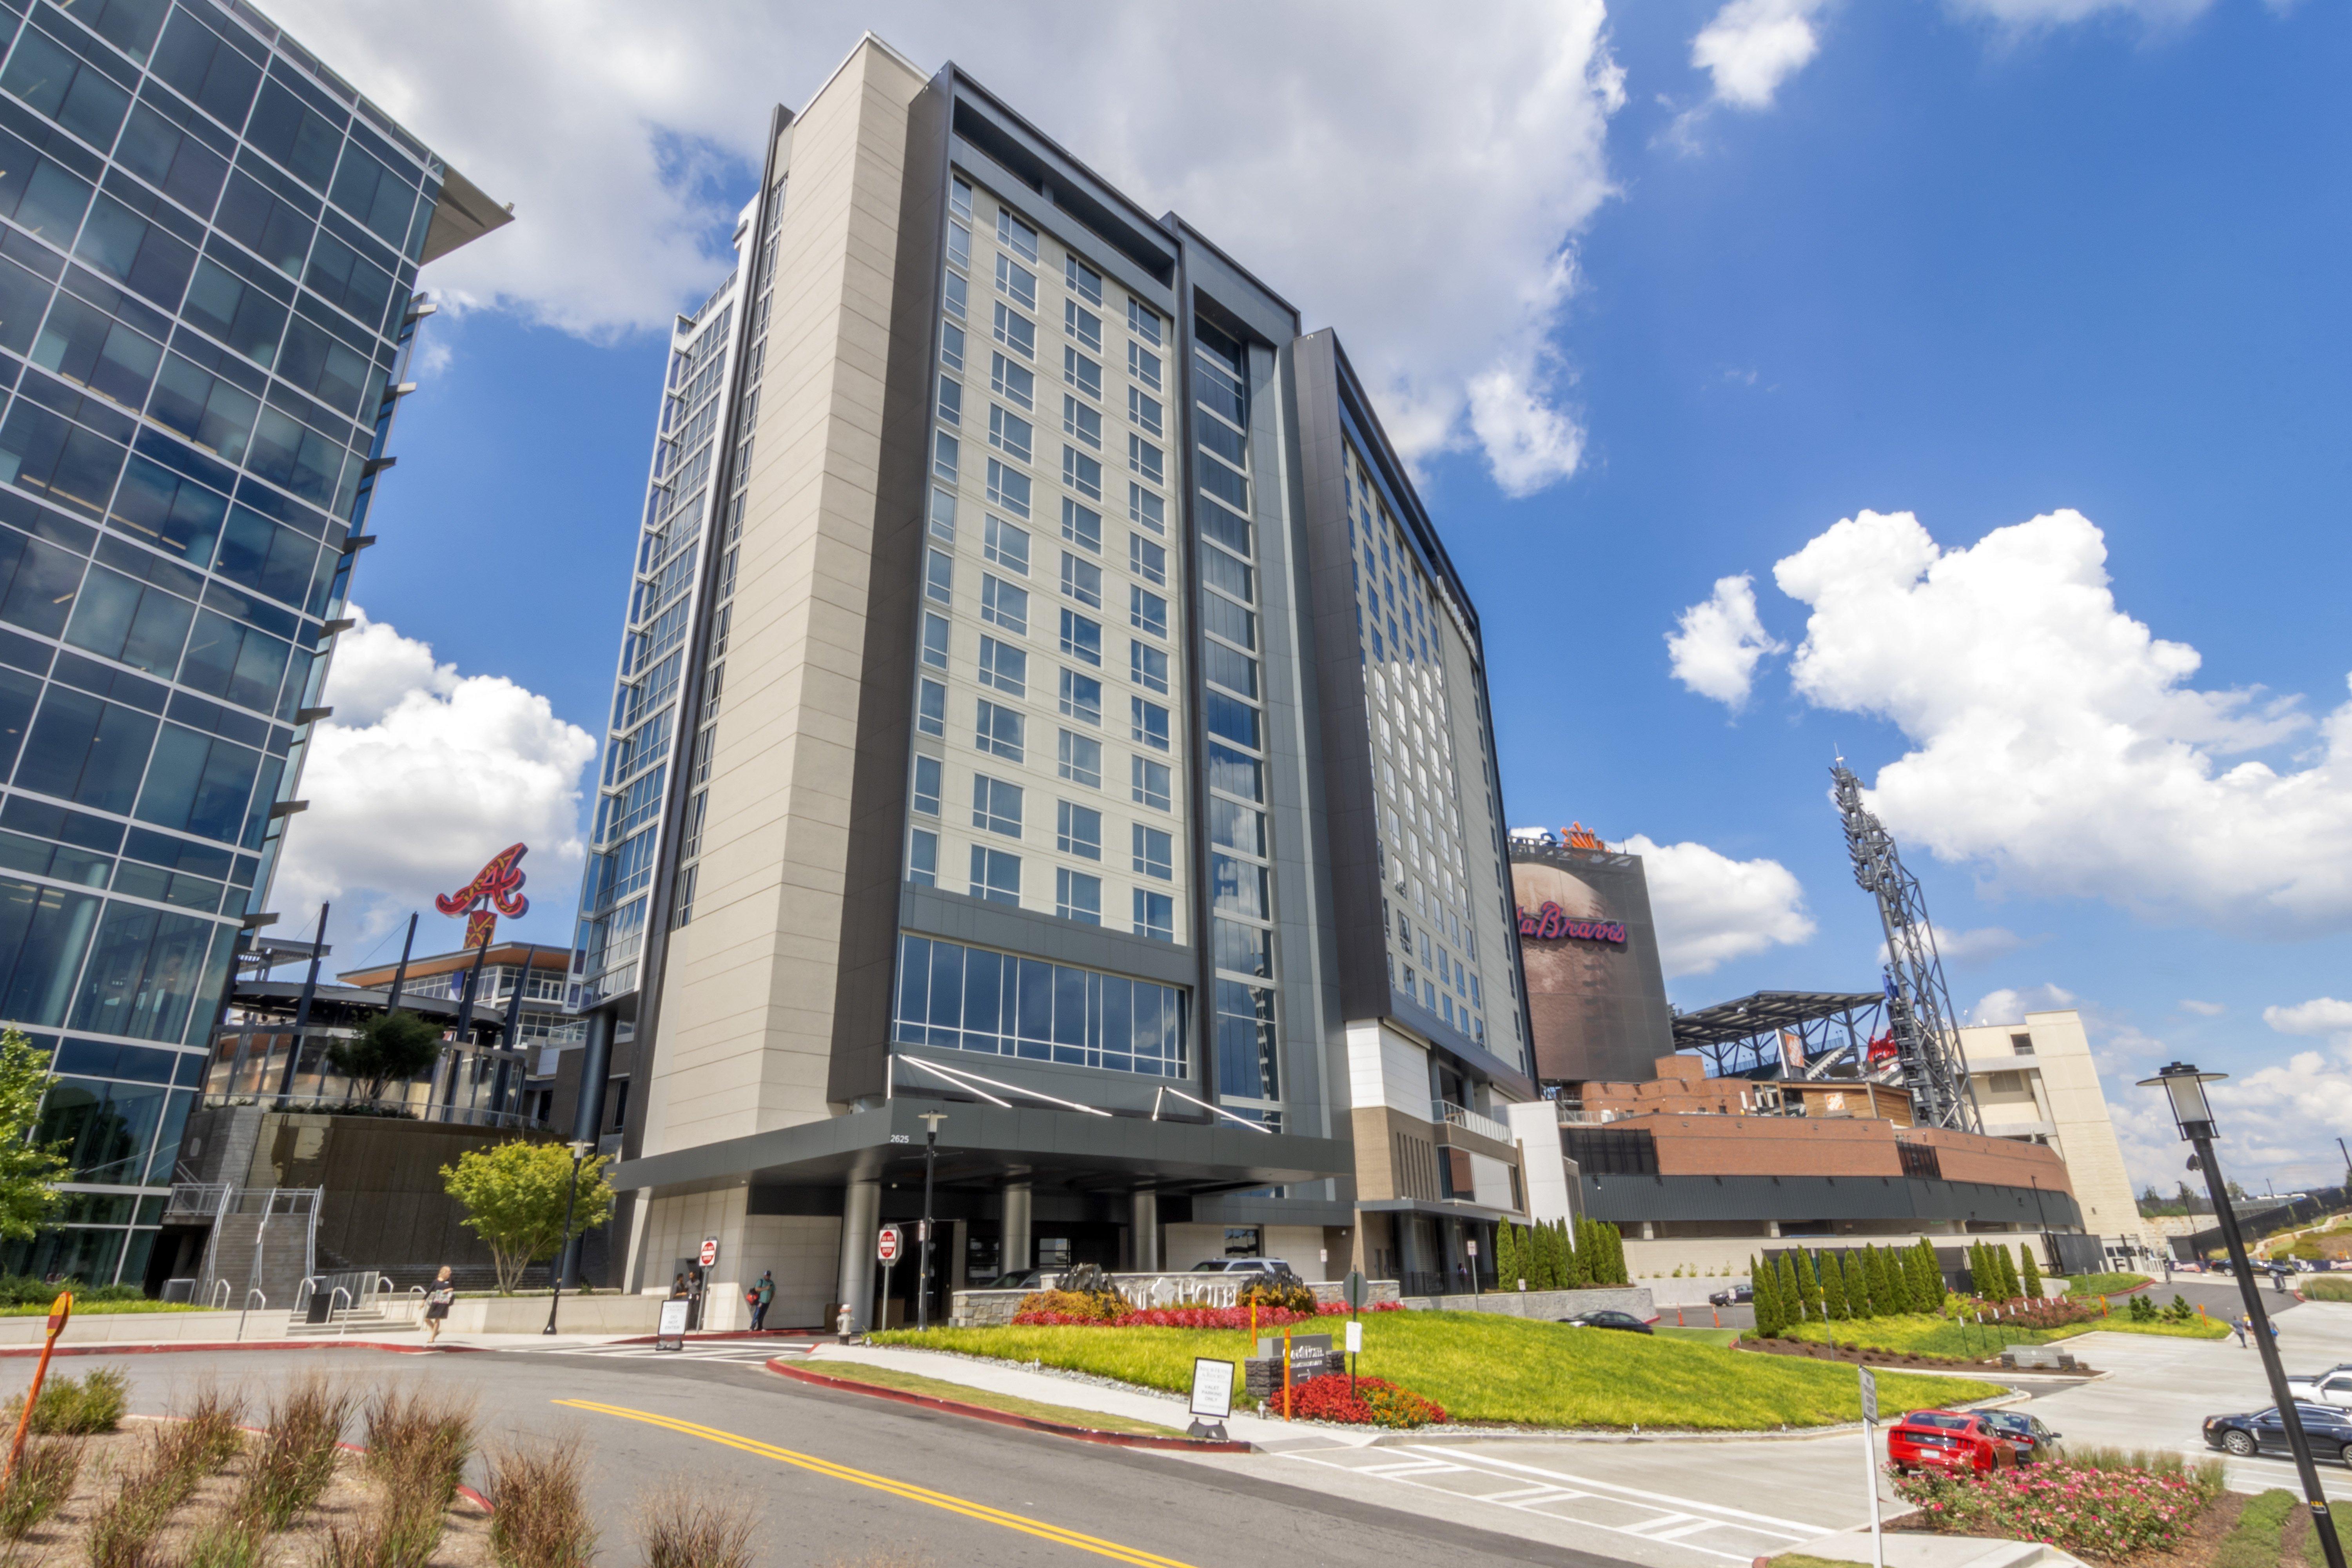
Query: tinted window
196	60
296	135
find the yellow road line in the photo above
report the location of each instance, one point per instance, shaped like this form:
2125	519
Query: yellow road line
905	1490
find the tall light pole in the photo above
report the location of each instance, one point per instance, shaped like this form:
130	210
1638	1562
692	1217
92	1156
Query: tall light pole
2186	1087
931	1119
571	1198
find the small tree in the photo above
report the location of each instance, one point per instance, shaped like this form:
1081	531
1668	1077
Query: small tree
1793	1305
1887	1295
1931	1274
391	1045
2029	1270
1508	1267
1980	1280
1859	1296
1833	1298
29	1171
2010	1290
515	1194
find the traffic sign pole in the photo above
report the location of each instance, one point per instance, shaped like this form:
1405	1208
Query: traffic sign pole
1870	1464
60	1310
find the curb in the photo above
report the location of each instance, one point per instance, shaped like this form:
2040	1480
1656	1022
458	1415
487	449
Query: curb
729	1334
1006	1418
171	1346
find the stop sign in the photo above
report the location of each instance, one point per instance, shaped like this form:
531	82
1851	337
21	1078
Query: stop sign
710	1250
885	1245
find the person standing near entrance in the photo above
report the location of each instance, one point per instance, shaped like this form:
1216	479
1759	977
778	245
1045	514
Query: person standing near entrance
436	1304
763	1295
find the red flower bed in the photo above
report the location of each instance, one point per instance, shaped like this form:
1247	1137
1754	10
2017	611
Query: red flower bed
1374	1402
2095	1513
1060	1309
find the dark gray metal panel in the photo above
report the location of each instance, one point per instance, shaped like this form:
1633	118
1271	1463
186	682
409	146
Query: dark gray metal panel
1039	209
1804	1199
960	917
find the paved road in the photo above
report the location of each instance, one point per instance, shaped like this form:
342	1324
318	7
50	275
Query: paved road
845	1481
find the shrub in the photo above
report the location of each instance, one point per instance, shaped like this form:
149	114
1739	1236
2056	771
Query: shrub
681	1526
1285	1292
2106	1510
44	1480
31	1291
297	1455
76	1407
2326	1289
540	1517
1069	1306
1374	1402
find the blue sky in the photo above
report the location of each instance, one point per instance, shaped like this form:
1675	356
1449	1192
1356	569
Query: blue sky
1977	262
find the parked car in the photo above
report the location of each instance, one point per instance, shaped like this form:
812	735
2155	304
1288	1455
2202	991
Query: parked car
1607	1318
1947	1440
2333	1386
2029	1435
1243	1266
2330	1429
1027	1279
1734	1296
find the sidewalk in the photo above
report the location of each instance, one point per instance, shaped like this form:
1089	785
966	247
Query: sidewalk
1076	1393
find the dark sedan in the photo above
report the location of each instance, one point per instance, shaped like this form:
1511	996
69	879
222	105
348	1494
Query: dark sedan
2330	1429
2029	1435
1733	1295
1607	1318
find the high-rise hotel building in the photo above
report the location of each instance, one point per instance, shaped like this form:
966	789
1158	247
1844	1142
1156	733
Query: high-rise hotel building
208	244
1043	700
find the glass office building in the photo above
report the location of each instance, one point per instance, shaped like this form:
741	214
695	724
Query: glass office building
208	268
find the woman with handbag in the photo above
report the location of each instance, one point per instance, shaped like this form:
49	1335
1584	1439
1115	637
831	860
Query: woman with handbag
436	1304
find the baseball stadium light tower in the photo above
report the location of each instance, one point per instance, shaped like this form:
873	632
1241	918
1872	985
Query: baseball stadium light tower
1918	1008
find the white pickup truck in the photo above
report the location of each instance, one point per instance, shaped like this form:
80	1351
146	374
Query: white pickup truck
2333	1386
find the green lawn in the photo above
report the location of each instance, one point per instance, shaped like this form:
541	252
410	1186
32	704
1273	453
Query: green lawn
86	1309
1489	1369
2103	1284
1946	1336
2326	1288
1699	1336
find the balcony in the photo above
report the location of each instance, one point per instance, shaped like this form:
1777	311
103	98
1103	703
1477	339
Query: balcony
1575	1116
1469	1120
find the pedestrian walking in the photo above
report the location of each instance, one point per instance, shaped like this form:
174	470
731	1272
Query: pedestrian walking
436	1304
2242	1325
764	1296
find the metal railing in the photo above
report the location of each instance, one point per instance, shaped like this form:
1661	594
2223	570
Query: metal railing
1469	1120
393	1110
1571	1116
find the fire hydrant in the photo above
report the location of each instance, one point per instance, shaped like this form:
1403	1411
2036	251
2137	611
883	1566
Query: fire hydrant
844	1322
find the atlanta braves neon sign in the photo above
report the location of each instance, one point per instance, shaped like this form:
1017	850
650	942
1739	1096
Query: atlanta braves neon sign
1553	923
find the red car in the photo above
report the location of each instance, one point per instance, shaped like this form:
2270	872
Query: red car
1947	1440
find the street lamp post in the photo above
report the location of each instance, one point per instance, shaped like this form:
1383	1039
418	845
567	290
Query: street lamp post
2186	1087
931	1119
571	1198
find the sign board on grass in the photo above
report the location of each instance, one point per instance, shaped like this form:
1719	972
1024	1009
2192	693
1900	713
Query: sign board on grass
1212	1388
671	1333
885	1245
1301	1346
1355	1339
1869	1396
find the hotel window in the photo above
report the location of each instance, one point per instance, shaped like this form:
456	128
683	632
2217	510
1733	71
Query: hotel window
1144	459
1148	782
1147	559
931	708
950	401
1082	473
1080	760
1081	697
1155	915
1015	235
955	295
935	640
1012	382
938	577
1148	667
923	858
1008	488
1149	724
1009	433
1082	373
1144	508
1006	544
1225	667
997	730
960	199
1077	830
1143	321
1015	330
1148	612
1081	525
1083	280
1081	421
1155	852
1078	897
1143	410
927	785
995	805
1017	282
1143	366
1003	604
1082	580
952	346
1081	638
1082	324
946	451
943	513
1004	667
2022	1045
995	874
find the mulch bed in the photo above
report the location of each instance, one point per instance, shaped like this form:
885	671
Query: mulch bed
1810	1351
465	1543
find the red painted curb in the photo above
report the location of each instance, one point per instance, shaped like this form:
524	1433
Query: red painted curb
169	1346
1006	1417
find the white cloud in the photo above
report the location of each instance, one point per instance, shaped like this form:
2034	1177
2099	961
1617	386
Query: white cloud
1418	188
1966	948
421	775
1719	643
1711	909
2056	743
2010	1006
2320	1015
2036	16
2202	1009
1751	47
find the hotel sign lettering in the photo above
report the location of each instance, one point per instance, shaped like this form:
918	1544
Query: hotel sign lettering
1553	923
